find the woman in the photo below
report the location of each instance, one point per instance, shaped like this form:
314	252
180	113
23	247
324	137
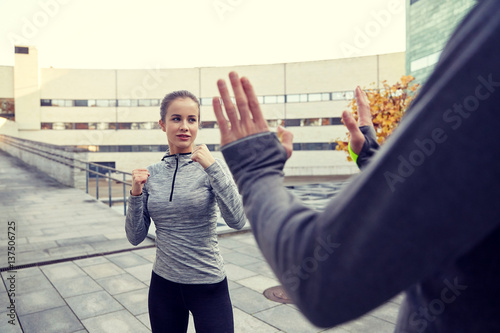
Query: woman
181	194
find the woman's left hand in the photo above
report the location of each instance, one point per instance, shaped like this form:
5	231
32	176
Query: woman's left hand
202	155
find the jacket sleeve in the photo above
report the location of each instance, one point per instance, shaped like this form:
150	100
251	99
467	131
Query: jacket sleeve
427	197
369	148
226	194
137	221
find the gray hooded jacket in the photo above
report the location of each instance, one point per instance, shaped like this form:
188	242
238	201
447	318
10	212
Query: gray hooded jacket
183	200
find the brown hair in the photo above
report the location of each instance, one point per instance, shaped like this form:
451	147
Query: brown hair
170	97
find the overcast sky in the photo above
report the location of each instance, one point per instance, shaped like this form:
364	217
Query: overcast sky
198	33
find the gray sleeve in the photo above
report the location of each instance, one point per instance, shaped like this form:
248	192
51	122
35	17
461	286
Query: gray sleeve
137	221
226	194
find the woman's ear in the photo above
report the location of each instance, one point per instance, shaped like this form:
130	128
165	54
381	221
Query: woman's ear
162	125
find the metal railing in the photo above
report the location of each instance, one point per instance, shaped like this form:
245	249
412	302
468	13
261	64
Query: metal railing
28	146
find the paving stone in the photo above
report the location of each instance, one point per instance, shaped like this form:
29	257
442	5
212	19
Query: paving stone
288	320
118	284
100	271
262	268
144	318
245	323
142	273
56	320
259	283
236	273
127	260
239	259
367	324
229	243
250	301
135	301
76	286
63	271
387	312
93	304
91	261
37	301
121	321
25	285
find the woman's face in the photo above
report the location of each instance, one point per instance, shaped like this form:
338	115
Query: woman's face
181	125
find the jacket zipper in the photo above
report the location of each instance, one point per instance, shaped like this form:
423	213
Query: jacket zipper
175	173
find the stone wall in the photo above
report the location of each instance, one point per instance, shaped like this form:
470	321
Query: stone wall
56	161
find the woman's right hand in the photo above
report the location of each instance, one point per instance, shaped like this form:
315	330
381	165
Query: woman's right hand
139	178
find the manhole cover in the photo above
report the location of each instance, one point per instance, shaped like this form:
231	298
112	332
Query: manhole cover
277	294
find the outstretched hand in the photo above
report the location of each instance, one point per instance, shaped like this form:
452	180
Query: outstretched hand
247	118
364	119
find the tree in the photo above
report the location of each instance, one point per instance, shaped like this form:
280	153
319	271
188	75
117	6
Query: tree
387	106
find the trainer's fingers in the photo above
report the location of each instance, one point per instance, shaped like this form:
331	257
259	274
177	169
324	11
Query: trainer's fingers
231	112
240	97
286	138
350	122
365	115
219	116
254	106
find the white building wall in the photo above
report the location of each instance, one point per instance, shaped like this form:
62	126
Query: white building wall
275	79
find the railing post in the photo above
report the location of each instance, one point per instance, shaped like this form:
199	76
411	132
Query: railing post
97	185
109	187
87	177
124	197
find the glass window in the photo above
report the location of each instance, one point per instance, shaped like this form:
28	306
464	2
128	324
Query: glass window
124	126
206	101
311	122
112	102
260	99
144	102
337	95
209	124
274	122
46	126
270	99
124	102
292	98
102	102
68	103
156	125
81	102
303	97
93	126
134	126
69	126
146	126
292	122
297	146
349	94
112	126
58	126
45	102
314	97
280	99
82	126
126	148
325	96
155	102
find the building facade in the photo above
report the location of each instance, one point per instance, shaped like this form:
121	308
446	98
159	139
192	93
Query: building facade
429	24
114	113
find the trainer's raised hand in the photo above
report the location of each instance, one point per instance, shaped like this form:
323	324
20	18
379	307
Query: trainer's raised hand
245	118
364	119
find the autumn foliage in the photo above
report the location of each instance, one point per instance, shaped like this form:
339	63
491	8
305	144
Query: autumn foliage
387	106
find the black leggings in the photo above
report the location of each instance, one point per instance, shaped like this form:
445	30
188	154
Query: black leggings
169	305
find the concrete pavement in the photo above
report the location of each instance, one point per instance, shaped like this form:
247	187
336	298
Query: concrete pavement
80	274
